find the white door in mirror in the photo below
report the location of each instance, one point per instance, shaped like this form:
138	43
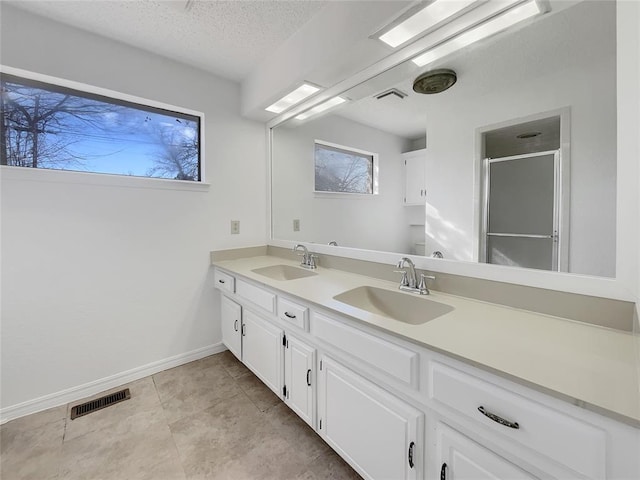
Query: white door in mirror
415	177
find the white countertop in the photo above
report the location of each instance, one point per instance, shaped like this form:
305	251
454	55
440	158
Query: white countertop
591	366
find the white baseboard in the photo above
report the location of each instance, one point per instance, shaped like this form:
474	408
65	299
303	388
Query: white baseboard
81	391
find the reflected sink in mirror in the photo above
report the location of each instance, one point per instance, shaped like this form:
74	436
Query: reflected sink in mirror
403	307
283	272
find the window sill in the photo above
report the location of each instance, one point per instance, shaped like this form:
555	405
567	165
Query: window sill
343	195
98	179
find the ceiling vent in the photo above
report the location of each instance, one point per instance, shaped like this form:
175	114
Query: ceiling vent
393	91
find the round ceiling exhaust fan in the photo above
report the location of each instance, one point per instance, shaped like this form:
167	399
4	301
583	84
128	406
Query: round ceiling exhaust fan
435	81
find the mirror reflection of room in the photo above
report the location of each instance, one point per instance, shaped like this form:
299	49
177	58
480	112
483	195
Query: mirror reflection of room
514	163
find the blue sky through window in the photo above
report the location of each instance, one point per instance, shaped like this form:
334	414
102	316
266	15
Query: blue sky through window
68	130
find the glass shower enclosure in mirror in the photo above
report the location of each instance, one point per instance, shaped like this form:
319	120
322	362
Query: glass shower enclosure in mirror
514	164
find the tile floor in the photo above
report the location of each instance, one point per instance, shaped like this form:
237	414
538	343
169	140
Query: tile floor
208	419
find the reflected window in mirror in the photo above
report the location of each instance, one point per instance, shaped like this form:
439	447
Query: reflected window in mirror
558	68
340	169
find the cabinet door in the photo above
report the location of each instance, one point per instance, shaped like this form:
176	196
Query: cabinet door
299	377
231	318
262	350
463	459
378	434
414	170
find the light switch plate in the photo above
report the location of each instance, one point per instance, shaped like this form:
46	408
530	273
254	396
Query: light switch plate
235	227
296	225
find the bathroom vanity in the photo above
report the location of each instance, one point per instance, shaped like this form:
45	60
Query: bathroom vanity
414	387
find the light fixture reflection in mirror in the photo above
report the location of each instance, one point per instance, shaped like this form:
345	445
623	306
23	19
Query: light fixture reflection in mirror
560	66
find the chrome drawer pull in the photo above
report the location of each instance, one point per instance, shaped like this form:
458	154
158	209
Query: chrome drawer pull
289	315
220	281
498	419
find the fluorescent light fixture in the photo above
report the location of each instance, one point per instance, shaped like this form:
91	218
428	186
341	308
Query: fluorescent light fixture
303	91
495	25
423	20
332	102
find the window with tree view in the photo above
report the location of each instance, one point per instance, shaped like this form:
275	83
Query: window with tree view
54	127
342	170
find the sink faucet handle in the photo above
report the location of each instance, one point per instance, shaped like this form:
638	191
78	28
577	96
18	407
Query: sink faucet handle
404	281
312	260
422	286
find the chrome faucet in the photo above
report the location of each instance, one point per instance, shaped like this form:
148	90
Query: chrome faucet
308	259
409	281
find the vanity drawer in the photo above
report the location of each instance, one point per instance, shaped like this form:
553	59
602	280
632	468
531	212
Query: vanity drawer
256	295
398	362
293	313
571	442
224	281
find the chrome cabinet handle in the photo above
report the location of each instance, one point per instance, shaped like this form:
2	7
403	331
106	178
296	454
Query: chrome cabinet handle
309	377
443	472
244	329
235	325
498	419
220	281
289	315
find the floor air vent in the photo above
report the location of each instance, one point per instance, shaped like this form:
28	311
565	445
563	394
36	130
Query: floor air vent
100	403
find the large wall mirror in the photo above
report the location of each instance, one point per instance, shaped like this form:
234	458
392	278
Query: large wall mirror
514	164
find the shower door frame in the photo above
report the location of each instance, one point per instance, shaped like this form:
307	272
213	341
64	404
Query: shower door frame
558	261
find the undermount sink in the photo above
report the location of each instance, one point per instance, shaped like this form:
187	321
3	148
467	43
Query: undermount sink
403	307
283	272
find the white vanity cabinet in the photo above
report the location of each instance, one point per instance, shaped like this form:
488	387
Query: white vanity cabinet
262	349
397	410
520	423
299	377
231	320
460	458
377	433
254	341
415	190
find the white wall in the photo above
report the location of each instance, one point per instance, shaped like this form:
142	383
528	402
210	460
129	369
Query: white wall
375	222
577	77
102	276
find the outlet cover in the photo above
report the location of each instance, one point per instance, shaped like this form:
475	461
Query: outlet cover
235	227
296	225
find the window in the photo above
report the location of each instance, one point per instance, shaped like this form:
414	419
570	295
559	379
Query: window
344	170
55	127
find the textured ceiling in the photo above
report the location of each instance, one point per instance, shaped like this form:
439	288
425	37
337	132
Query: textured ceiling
227	38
